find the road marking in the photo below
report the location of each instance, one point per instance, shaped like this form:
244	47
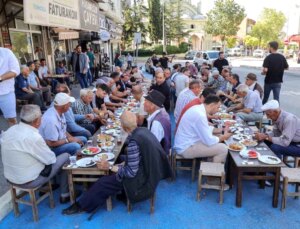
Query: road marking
289	93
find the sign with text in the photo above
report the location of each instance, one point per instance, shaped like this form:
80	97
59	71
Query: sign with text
60	13
89	15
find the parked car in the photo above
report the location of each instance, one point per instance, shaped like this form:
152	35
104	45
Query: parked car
258	53
234	52
190	55
210	56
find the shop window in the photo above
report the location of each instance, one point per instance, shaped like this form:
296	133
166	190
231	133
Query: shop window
22	47
21	25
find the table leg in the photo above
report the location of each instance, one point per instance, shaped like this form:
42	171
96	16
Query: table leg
276	188
231	171
239	188
71	187
262	183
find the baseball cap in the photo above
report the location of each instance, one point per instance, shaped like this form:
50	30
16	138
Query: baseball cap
271	105
63	99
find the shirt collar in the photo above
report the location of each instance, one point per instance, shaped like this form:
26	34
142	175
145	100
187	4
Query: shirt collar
151	117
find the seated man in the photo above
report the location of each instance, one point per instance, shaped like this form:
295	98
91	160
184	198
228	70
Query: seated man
72	127
62	70
136	73
23	90
231	96
285	137
137	93
27	160
187	95
218	83
122	85
195	138
35	85
98	103
82	106
54	127
159	120
162	86
250	108
251	82
142	151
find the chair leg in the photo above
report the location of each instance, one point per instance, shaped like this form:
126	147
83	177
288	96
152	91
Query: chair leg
14	201
174	165
284	193
297	190
193	169
51	199
152	201
129	207
199	185
34	205
222	184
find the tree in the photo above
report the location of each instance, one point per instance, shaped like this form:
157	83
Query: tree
266	30
155	20
224	19
231	42
251	42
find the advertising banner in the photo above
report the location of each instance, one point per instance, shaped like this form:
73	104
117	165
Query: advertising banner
89	15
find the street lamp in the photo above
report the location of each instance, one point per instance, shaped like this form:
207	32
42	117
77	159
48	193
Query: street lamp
163	26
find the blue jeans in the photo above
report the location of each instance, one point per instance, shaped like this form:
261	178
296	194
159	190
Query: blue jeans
70	148
275	87
291	150
89	78
82	79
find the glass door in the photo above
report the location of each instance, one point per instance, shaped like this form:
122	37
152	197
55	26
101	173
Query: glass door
22	46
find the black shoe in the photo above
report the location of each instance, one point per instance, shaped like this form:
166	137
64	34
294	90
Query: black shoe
64	200
72	210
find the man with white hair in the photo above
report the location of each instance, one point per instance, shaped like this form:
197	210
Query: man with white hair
27	160
142	151
54	127
249	109
9	69
218	83
284	139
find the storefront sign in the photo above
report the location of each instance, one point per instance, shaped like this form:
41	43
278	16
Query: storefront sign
68	35
61	13
104	35
102	22
89	15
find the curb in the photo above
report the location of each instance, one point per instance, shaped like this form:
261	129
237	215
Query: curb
5	205
293	73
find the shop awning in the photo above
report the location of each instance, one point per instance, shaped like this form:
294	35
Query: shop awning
295	38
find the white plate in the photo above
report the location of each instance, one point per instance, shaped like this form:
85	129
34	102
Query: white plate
111	139
113	132
85	162
237	150
268	159
91	154
244	154
238	137
108	147
255	143
110	156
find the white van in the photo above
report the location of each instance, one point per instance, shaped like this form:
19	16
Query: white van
234	52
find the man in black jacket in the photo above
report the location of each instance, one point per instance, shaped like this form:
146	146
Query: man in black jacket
145	165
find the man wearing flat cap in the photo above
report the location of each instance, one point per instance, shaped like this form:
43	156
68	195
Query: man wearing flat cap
251	82
285	137
159	120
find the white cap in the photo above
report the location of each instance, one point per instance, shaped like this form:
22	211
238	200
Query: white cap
215	72
62	99
271	105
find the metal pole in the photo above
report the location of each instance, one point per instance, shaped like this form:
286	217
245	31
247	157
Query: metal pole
163	22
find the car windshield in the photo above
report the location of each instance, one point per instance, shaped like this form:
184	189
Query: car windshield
213	55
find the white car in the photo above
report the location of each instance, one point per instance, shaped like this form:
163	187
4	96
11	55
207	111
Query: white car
234	52
258	53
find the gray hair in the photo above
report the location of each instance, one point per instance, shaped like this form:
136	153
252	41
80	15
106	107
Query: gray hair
24	66
30	112
128	120
85	91
243	88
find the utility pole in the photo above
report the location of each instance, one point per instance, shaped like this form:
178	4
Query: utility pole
163	26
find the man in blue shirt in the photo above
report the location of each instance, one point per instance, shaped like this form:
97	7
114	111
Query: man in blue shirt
23	90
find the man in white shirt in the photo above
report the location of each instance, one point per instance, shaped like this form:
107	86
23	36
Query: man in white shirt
27	160
187	95
137	93
181	80
9	69
195	138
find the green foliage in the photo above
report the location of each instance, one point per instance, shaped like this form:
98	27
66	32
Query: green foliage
269	27
231	42
155	20
251	42
224	19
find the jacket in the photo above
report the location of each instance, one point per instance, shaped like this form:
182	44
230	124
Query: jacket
83	63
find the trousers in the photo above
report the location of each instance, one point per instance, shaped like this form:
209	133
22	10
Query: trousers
70	148
275	87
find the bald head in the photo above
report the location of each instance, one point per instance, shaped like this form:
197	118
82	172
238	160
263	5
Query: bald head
128	121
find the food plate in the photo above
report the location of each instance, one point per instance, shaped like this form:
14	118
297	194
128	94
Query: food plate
268	159
228	122
239	137
248	143
91	150
104	156
85	162
105	137
107	145
237	147
252	154
113	132
225	116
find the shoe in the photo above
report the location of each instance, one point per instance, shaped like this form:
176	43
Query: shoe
72	210
268	183
66	199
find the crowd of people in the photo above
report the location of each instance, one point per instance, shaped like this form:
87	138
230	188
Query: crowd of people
51	129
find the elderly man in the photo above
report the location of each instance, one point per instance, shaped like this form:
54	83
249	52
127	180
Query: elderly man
250	108
9	69
23	90
159	120
285	137
137	93
83	106
195	138
142	151
251	82
27	160
187	95
72	127
218	83
54	127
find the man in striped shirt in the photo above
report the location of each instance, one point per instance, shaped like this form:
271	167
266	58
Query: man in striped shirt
186	96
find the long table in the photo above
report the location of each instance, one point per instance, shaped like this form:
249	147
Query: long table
91	174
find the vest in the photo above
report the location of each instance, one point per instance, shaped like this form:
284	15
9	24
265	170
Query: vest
164	119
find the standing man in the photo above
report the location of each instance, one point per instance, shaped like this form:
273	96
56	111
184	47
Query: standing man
273	67
129	60
164	60
9	69
80	66
220	62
